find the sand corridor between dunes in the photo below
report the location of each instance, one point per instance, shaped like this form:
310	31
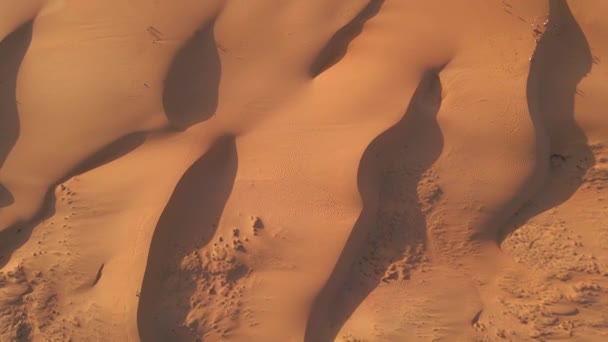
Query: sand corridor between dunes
306	170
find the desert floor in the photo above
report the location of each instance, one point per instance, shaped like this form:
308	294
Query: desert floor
303	170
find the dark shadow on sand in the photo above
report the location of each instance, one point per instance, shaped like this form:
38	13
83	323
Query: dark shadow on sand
18	234
187	223
391	223
12	52
337	46
192	83
561	60
113	151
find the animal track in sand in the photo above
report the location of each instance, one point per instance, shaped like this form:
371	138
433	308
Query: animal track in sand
197	275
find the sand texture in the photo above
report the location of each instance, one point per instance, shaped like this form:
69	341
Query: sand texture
304	170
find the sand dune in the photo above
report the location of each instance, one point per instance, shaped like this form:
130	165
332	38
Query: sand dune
344	170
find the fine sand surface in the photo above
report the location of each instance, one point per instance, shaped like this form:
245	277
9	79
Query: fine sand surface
303	170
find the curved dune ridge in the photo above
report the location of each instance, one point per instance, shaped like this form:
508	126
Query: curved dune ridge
310	170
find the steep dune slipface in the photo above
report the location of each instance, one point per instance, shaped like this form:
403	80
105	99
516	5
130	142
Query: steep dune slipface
187	225
102	74
369	170
13	49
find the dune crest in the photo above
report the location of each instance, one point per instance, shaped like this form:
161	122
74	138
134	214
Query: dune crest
269	170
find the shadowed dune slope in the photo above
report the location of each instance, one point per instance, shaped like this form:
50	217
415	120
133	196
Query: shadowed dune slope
304	170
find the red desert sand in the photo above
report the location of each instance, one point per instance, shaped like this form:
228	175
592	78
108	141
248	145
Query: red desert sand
304	170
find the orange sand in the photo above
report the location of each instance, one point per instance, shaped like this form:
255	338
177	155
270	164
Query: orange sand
305	170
